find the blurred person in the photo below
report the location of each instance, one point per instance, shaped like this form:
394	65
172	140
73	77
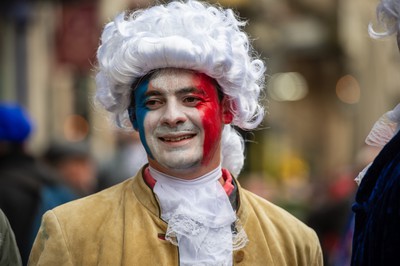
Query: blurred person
27	187
75	165
129	157
376	239
9	252
329	212
343	250
182	74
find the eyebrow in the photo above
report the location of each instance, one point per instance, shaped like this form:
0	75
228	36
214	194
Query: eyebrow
190	90
152	93
181	91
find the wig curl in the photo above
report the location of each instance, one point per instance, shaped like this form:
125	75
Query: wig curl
388	14
182	34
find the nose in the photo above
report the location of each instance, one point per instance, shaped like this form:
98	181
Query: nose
173	115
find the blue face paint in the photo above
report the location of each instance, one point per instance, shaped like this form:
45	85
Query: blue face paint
140	113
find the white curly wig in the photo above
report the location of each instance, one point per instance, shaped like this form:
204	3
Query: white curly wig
388	14
189	35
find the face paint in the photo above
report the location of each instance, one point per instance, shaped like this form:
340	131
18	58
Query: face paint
140	113
180	120
210	113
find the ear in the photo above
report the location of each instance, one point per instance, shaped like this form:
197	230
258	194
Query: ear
227	115
132	117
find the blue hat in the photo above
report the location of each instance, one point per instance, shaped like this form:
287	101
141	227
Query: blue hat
15	124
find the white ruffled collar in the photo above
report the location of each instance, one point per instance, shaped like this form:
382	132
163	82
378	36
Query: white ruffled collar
199	216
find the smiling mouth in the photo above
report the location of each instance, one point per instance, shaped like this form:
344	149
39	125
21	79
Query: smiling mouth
176	138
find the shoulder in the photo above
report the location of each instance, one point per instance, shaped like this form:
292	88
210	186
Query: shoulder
86	215
271	216
272	229
102	202
79	226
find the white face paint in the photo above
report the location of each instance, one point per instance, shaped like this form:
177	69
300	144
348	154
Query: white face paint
173	126
180	119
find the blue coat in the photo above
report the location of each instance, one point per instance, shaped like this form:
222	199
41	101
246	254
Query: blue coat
376	239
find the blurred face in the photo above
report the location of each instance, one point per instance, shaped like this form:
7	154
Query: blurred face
80	174
180	120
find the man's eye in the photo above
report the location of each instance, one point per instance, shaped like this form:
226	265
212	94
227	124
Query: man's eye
153	104
191	101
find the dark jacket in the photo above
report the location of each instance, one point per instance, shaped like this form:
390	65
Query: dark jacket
376	239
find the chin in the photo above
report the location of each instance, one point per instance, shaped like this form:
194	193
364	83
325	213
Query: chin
182	165
180	159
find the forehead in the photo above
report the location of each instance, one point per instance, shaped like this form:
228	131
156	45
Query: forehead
171	79
167	79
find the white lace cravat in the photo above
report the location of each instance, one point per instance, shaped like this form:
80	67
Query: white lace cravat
199	216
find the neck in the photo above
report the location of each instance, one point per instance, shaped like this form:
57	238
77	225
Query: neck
187	173
214	175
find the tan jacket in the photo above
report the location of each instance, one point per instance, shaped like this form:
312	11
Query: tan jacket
122	226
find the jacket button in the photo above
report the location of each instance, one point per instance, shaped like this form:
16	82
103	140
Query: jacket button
239	256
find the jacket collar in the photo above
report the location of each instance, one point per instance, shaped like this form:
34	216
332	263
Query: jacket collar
147	198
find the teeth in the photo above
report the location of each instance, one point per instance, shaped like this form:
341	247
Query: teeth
178	138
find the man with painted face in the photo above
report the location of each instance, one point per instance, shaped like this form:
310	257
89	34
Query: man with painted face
181	74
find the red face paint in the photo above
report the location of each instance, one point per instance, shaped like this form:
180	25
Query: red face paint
212	118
